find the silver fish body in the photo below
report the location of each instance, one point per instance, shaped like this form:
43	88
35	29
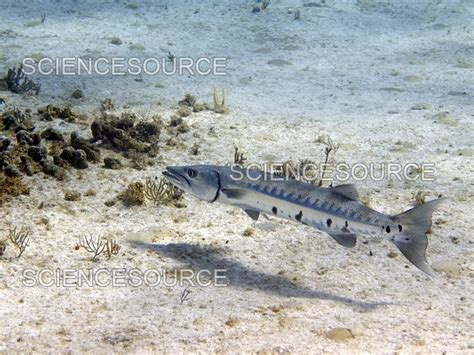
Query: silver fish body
336	210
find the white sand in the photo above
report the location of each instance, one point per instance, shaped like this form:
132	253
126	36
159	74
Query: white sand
288	284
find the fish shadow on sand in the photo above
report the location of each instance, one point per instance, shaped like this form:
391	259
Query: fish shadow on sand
199	257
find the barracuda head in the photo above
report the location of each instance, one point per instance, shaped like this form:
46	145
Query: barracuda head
200	180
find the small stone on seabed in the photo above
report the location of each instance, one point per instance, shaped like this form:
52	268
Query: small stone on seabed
468	152
72	196
445	118
249	232
420	342
115	40
451	267
392	254
77	94
339	334
421	106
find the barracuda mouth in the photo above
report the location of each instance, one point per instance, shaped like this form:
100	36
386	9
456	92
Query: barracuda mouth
176	177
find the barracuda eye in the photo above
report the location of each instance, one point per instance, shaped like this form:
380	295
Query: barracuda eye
192	173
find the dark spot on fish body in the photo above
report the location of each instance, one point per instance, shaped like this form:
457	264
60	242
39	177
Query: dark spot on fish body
346	224
400	228
387	229
299	216
329	222
274	210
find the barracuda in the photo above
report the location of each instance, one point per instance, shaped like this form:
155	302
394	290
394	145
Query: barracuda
334	210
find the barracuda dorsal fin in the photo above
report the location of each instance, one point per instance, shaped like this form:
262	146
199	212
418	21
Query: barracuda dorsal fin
253	214
347	190
347	240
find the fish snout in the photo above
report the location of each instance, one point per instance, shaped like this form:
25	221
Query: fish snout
175	175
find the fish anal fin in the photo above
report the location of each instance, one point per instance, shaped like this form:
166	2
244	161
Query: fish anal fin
253	214
347	240
347	190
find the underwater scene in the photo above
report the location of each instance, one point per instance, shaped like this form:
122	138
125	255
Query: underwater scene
249	176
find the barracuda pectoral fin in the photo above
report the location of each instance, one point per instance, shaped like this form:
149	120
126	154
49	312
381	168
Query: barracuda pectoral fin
253	214
234	193
347	190
347	240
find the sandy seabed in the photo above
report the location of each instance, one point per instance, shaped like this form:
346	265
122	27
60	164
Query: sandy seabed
388	81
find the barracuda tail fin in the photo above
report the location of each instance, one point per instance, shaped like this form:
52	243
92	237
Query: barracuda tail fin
412	240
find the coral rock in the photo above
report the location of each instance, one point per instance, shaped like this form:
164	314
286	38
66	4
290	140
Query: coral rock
11	171
52	134
76	158
38	153
112	163
49	168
